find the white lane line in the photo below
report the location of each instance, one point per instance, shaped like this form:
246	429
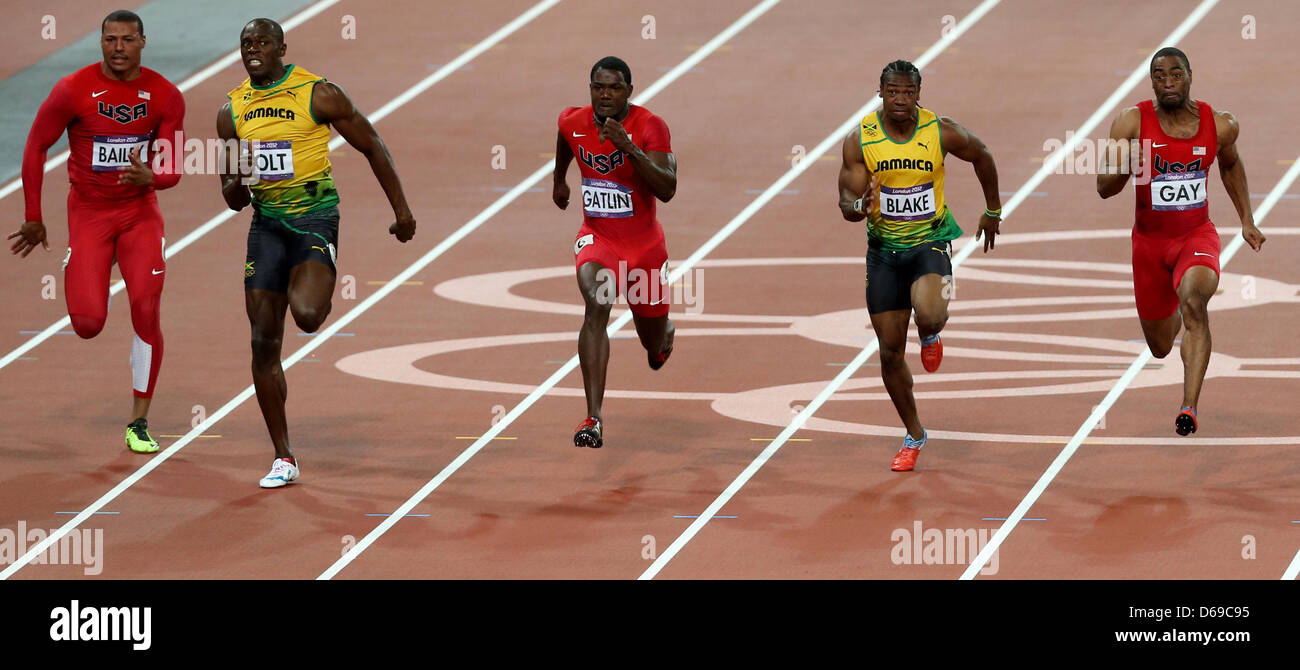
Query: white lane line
1142	71
191	81
1100	410
518	410
485	44
388	108
1292	570
363	306
835	139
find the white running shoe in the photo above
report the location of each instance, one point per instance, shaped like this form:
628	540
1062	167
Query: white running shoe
282	472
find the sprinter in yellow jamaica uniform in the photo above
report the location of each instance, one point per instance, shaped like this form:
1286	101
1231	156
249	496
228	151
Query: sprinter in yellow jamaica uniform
281	117
892	176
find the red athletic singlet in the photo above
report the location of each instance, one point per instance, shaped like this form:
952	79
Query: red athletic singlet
616	202
1175	202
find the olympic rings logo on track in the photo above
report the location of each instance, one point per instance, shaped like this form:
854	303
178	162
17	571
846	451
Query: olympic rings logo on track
1087	365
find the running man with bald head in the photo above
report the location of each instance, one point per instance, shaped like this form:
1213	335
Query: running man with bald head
1175	245
281	115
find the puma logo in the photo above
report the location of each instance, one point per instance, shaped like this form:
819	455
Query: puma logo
329	251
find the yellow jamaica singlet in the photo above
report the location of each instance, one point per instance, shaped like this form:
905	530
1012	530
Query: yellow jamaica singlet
909	209
290	147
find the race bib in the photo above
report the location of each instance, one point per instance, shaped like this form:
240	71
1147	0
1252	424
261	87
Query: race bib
605	199
1177	191
914	203
111	153
273	160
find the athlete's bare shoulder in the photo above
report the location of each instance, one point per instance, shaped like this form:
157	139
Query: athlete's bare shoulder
952	135
1128	125
867	130
949	124
328	88
1226	127
851	152
329	102
1130	113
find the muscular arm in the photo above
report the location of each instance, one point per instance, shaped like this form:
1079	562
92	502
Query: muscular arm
1111	179
331	105
965	145
657	168
1233	173
51	120
855	181
563	156
233	188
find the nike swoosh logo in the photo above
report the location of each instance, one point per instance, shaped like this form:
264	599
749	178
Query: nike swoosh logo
157	272
96	95
1157	146
1197	253
575	134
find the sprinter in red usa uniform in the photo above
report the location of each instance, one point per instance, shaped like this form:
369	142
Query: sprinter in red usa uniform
626	162
118	116
1175	245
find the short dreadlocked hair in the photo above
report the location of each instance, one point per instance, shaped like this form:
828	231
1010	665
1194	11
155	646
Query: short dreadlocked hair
900	67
